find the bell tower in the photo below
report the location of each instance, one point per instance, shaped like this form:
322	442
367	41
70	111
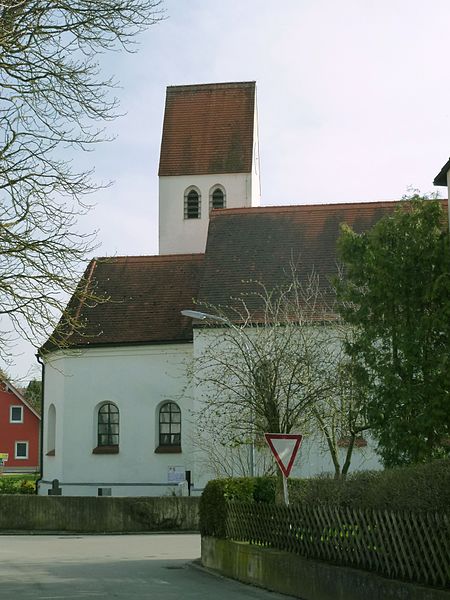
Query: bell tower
209	160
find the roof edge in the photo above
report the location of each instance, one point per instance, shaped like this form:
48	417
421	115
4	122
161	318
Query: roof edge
441	177
156	257
210	86
13	390
98	346
296	207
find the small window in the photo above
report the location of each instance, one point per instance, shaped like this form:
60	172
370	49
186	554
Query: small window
169	425
192	203
16	414
51	430
217	198
108	425
21	450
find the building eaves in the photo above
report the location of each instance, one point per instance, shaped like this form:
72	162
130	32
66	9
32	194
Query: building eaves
441	177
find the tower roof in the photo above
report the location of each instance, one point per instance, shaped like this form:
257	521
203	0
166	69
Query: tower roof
208	129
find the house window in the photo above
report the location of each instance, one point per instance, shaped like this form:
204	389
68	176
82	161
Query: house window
21	450
217	198
169	426
108	425
192	202
16	414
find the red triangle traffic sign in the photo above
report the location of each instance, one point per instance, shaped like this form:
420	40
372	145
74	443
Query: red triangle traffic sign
284	447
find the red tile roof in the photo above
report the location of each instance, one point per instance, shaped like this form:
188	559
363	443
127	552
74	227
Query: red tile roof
208	129
260	244
146	295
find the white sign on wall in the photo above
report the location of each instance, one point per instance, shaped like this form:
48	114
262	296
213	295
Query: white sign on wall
176	474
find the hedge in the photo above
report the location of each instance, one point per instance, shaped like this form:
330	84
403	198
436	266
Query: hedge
17	484
424	487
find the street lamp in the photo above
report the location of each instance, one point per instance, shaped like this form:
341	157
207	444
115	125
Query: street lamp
202	316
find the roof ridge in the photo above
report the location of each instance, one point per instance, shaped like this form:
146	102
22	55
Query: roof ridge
212	86
158	257
298	207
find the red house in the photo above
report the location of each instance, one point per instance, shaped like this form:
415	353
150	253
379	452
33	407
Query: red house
19	432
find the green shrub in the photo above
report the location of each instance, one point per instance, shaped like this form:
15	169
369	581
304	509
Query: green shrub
424	487
17	484
212	509
27	487
8	485
265	489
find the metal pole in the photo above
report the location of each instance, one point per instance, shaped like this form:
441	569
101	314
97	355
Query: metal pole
285	490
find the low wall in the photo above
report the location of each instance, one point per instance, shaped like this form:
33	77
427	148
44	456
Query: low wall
310	580
97	515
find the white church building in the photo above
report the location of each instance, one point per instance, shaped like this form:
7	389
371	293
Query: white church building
117	402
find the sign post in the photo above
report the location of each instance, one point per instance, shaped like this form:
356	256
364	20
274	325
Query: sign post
284	447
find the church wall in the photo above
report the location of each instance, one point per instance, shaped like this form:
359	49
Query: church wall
178	235
256	171
313	458
448	196
137	380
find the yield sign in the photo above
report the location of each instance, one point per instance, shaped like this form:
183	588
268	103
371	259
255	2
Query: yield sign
284	447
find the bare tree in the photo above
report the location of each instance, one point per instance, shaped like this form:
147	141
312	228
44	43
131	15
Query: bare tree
279	368
339	419
53	100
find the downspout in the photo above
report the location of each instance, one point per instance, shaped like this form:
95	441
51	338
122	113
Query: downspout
41	433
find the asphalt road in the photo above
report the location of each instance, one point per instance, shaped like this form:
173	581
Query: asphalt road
154	566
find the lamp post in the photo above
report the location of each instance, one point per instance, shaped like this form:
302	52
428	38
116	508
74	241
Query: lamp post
202	316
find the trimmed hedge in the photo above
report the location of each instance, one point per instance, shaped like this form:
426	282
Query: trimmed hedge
424	487
212	509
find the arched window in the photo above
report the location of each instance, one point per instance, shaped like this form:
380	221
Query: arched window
108	425
192	203
217	197
51	430
169	424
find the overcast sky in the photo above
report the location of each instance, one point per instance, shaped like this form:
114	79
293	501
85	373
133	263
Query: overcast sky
353	102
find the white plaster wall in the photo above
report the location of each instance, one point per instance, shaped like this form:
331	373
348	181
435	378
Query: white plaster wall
313	458
256	172
137	380
448	196
178	235
54	394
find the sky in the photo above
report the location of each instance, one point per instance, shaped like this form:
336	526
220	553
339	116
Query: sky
353	104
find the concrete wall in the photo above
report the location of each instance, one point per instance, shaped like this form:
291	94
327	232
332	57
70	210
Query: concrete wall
137	380
97	515
310	580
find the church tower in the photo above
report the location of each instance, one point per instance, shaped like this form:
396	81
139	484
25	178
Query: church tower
209	159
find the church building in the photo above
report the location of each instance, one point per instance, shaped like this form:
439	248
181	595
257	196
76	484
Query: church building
118	400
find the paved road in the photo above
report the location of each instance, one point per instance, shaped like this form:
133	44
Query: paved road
122	567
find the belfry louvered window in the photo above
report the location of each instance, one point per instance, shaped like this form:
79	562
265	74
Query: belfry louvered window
192	205
217	198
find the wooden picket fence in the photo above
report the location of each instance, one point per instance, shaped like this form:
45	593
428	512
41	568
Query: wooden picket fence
414	547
